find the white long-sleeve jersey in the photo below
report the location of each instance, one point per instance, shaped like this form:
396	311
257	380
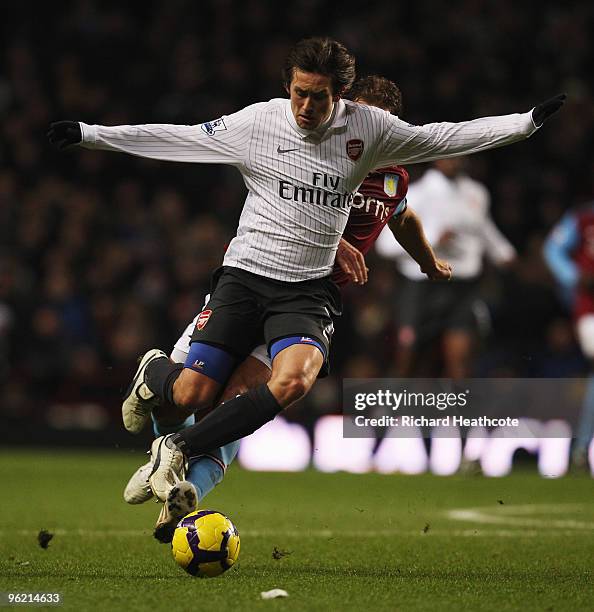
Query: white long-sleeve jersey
459	207
301	183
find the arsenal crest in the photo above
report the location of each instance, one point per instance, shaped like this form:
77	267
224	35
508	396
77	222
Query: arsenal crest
203	319
354	148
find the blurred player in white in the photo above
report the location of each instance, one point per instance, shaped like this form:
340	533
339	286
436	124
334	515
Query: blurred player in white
454	211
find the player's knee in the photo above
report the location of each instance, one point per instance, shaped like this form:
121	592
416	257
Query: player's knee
290	389
191	398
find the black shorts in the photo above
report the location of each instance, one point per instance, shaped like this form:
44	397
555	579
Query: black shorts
246	309
429	308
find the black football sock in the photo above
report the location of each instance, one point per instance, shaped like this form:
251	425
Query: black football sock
160	376
230	421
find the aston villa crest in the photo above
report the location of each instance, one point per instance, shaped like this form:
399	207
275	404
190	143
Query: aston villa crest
391	184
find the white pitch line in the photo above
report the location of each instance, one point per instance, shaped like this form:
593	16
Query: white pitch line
506	515
532	509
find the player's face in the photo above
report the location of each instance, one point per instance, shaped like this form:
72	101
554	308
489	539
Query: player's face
311	99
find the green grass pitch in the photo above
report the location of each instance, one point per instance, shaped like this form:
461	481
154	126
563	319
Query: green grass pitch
356	542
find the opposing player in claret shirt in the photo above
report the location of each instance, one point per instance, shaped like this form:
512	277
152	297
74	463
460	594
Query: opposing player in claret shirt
302	160
381	198
569	252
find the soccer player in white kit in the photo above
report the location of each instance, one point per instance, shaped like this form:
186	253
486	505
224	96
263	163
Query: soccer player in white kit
302	159
454	210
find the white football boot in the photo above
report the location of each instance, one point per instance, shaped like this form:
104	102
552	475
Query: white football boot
169	466
138	490
181	500
140	400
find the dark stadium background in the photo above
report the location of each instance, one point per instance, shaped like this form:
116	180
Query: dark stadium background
103	256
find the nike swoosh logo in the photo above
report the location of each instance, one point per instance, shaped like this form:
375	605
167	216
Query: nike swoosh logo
279	150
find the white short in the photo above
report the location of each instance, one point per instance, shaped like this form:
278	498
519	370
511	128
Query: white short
182	346
585	334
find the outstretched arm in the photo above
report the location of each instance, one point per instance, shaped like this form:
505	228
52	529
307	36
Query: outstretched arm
403	143
224	140
408	231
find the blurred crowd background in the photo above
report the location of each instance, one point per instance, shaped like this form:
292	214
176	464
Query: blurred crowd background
103	256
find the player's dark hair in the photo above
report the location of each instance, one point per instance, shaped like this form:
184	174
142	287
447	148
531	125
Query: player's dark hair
378	91
321	56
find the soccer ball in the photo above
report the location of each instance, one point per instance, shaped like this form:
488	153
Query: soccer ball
205	543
